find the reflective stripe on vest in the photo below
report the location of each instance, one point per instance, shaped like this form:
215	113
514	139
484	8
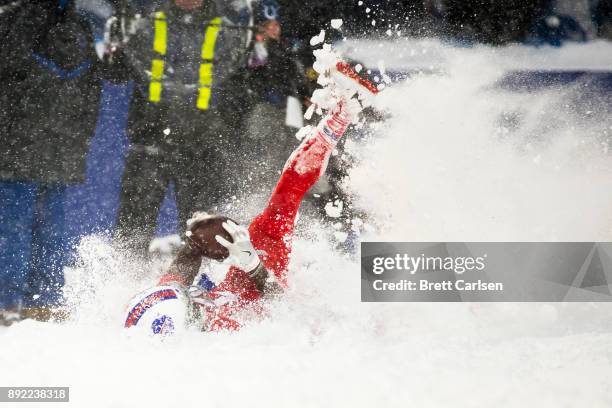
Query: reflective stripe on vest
157	65
206	67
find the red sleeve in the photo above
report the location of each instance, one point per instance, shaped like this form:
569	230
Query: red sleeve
272	230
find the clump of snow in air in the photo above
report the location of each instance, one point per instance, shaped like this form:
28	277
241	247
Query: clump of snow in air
318	39
335	86
453	162
341	236
333	209
336	23
303	132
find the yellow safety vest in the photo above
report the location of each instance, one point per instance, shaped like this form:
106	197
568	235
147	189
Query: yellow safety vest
206	67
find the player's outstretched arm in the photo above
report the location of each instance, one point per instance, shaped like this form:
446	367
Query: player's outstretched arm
184	267
305	166
271	230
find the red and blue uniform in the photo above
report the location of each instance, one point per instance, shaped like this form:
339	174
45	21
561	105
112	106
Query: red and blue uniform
271	232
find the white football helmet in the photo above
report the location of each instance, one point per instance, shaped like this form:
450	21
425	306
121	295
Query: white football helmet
159	311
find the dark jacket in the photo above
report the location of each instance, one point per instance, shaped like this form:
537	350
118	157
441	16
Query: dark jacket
186	34
50	93
276	79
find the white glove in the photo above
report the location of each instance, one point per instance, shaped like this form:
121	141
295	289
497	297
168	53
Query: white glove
241	251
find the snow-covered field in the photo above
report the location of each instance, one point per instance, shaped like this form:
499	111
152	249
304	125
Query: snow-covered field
457	160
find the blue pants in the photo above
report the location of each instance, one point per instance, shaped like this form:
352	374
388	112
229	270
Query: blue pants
32	244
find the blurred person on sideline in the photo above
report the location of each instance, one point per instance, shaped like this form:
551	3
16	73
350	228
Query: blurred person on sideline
274	80
564	21
183	59
582	11
48	111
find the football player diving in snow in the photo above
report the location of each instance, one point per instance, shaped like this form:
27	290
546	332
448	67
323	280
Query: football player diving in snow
258	255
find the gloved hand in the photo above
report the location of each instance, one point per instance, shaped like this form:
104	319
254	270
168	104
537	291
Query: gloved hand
241	251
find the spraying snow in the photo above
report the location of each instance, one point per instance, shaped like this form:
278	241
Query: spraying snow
456	160
481	163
